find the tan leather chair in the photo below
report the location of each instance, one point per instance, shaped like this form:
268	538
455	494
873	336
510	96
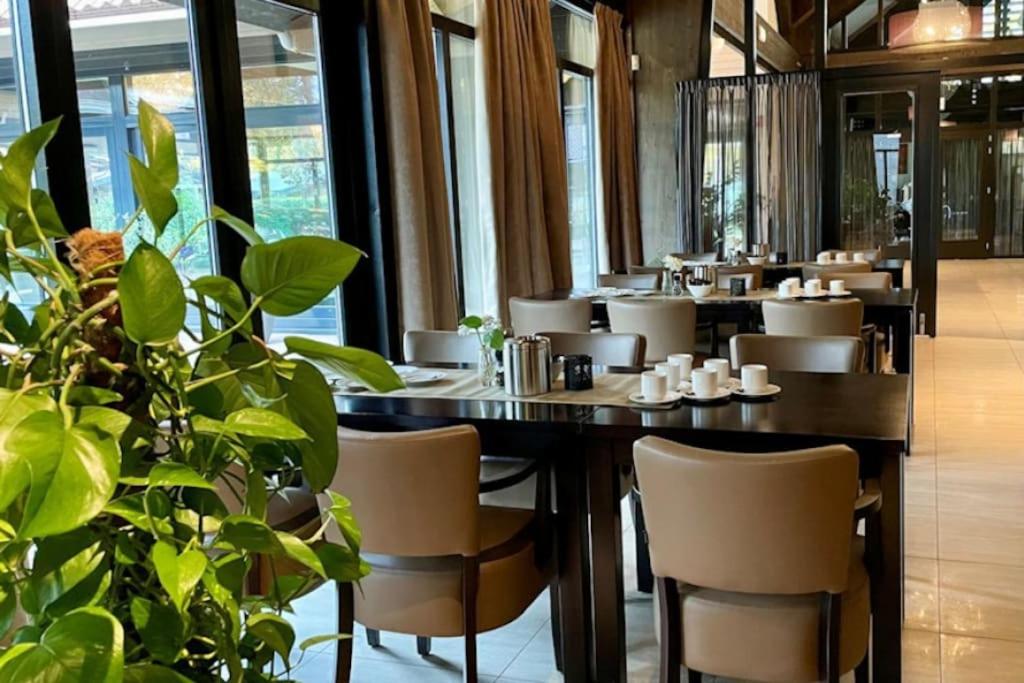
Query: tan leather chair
760	575
725	273
531	316
437	346
834	318
817	270
646	281
798	354
617	350
442	564
648	270
668	325
875	280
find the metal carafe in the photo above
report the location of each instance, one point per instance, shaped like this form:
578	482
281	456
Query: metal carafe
527	366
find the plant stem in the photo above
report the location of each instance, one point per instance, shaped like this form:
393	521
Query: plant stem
191	232
62	276
192	386
229	331
131	221
77	325
65	390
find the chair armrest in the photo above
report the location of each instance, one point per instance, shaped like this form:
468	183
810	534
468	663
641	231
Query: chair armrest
869	502
518	477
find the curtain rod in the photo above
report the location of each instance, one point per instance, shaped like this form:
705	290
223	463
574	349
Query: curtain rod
759	79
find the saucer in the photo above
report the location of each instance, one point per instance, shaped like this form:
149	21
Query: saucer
423	378
770	390
845	292
670	398
720	394
820	295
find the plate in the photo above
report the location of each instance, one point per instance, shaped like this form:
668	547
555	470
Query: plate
423	378
845	292
820	295
720	393
670	398
770	390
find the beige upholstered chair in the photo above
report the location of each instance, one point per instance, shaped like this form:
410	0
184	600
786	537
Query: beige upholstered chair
648	270
725	273
438	346
817	270
619	350
442	564
834	318
531	316
643	281
760	575
874	280
798	354
668	325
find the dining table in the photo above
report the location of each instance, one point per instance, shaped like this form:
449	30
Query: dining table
774	273
586	439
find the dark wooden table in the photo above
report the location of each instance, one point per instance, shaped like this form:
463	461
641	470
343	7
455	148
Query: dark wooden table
588	445
894	310
774	273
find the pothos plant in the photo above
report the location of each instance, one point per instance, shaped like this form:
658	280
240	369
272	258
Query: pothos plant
126	436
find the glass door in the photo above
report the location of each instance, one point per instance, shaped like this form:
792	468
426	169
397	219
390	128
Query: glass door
967	203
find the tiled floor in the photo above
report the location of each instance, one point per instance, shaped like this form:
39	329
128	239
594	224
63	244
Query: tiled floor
964	517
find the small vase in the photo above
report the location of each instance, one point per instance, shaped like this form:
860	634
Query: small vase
666	281
487	367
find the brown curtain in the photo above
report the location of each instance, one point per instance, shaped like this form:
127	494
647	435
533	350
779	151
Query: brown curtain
527	151
423	240
618	142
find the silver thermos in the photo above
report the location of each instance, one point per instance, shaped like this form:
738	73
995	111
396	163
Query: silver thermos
527	365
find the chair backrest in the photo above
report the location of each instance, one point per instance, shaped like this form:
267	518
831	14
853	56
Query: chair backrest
798	354
727	272
842	318
532	316
817	270
725	280
631	281
705	257
415	494
775	523
874	280
439	346
668	325
622	350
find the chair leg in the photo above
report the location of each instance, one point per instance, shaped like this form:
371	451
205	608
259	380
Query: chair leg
830	618
671	631
470	583
423	646
694	676
862	674
556	623
373	637
644	576
346	618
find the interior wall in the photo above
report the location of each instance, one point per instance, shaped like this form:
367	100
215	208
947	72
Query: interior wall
666	36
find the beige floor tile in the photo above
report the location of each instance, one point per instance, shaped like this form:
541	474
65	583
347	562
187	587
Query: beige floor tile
981	660
921	591
981	600
921	657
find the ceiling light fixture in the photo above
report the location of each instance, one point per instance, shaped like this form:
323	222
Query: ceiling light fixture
941	20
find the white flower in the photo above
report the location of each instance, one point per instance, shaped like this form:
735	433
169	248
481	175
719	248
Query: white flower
673	263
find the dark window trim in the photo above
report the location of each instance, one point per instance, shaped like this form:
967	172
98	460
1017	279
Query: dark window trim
448	25
575	67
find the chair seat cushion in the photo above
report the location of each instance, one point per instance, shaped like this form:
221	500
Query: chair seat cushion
769	637
429	603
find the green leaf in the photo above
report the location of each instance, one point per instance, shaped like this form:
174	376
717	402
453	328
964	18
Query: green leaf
310	404
262	423
160	627
177	474
8	604
274	631
247	232
296	273
256	494
92	396
341	511
132	510
20	224
178	574
152	673
327	638
152	298
472	322
107	420
85	646
72	473
296	548
156	197
341	564
15	327
14	408
243	532
20	162
70	571
355	364
160	143
5	263
224	292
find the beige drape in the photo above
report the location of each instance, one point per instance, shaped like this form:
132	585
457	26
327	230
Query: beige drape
423	242
617	143
527	149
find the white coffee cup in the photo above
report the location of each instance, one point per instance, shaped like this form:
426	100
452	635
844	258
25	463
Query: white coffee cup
684	361
754	378
721	368
785	288
705	382
825	257
671	371
837	287
842	257
653	385
860	257
812	287
793	281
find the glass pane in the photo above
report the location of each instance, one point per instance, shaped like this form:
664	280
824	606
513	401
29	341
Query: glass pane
961	188
289	176
965	101
1011	18
1009	232
114	59
574	34
726	60
724	194
578	118
1010	99
459	10
877	170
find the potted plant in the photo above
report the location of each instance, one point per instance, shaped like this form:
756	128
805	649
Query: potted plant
119	424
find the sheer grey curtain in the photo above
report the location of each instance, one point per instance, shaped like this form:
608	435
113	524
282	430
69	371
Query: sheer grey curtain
1009	233
961	189
865	208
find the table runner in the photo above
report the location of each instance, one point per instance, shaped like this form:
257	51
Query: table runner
609	390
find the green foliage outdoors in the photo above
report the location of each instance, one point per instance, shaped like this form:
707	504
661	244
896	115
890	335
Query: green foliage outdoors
124	437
